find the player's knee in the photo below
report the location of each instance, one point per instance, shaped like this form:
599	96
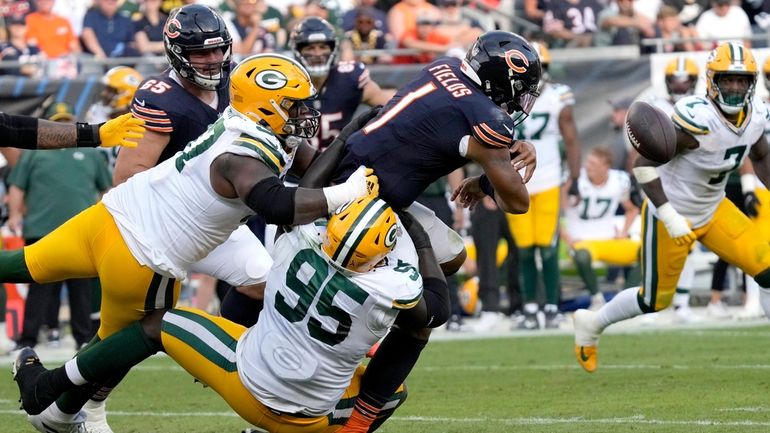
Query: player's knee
763	278
454	265
582	257
422	334
526	254
152	324
548	253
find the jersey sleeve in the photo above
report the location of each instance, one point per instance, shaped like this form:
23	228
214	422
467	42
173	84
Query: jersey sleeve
497	132
691	115
566	95
146	105
625	185
255	141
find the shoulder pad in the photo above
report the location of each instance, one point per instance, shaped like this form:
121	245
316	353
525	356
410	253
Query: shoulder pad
152	108
261	142
495	133
692	114
566	95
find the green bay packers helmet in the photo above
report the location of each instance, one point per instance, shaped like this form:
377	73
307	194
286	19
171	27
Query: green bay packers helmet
545	62
468	297
120	84
272	89
360	234
766	73
730	59
681	77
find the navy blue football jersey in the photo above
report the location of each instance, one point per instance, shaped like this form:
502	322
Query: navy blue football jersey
167	107
421	134
338	99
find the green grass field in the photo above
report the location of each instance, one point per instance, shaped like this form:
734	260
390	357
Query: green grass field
706	380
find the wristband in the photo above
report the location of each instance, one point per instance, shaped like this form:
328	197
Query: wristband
645	174
748	183
667	213
88	135
486	186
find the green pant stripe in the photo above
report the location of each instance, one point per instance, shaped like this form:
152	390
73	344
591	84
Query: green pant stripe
654	249
152	292
202	346
160	293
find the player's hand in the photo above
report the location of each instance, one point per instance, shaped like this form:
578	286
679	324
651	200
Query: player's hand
751	204
358	122
125	130
363	182
523	155
468	193
677	226
573	193
414	228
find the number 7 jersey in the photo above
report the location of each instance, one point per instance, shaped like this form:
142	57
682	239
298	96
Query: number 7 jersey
318	322
694	180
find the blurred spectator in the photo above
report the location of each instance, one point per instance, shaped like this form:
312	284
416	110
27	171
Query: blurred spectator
402	18
380	17
47	189
274	22
105	32
620	24
669	26
426	38
249	37
723	22
366	36
689	10
51	33
464	29
73	11
758	12
618	143
648	8
572	22
148	28
17	8
534	11
16	49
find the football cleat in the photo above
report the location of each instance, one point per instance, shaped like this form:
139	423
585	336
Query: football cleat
26	371
45	422
96	417
586	339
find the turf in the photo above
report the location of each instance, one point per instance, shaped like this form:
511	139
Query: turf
668	381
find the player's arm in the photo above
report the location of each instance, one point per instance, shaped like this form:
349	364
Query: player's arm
375	95
630	212
25	132
760	160
748	188
509	190
143	157
569	133
258	186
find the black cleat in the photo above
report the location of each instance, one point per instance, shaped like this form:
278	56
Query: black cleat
26	371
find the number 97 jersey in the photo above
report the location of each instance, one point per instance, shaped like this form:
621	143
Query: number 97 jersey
694	180
318	322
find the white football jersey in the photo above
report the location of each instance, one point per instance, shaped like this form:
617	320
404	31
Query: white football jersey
594	217
541	128
170	216
318	322
694	181
664	104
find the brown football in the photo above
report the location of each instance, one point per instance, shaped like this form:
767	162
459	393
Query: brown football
651	132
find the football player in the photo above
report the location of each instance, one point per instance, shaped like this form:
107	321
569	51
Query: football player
120	84
589	226
550	122
686	196
335	289
148	232
342	86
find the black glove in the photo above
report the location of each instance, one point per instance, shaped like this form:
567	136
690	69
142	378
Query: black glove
414	228
359	122
751	204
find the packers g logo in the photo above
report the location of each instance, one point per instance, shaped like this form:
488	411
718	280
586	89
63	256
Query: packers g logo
172	28
390	236
271	79
516	54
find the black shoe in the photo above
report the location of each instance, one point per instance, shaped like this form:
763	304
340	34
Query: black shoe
26	371
529	323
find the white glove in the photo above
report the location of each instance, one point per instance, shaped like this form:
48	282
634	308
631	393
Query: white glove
361	183
676	225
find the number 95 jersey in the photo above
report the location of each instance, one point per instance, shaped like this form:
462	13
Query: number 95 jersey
694	180
318	322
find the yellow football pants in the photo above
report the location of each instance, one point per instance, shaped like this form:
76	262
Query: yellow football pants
763	218
729	234
90	245
537	227
204	345
615	252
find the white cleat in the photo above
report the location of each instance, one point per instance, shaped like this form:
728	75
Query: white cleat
45	422
718	310
752	310
685	314
96	417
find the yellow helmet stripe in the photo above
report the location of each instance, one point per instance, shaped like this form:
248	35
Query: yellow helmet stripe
353	237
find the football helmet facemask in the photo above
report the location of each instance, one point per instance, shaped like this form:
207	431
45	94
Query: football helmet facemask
192	28
360	234
507	69
120	84
309	31
681	77
271	89
730	59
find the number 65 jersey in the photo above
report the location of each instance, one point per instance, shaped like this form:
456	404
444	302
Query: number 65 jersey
318	322
694	180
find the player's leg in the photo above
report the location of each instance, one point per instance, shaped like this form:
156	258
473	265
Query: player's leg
546	232
522	228
662	261
447	243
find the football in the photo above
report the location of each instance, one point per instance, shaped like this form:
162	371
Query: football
651	132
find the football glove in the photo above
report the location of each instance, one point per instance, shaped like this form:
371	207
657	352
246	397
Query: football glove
573	192
751	204
125	130
676	225
361	183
